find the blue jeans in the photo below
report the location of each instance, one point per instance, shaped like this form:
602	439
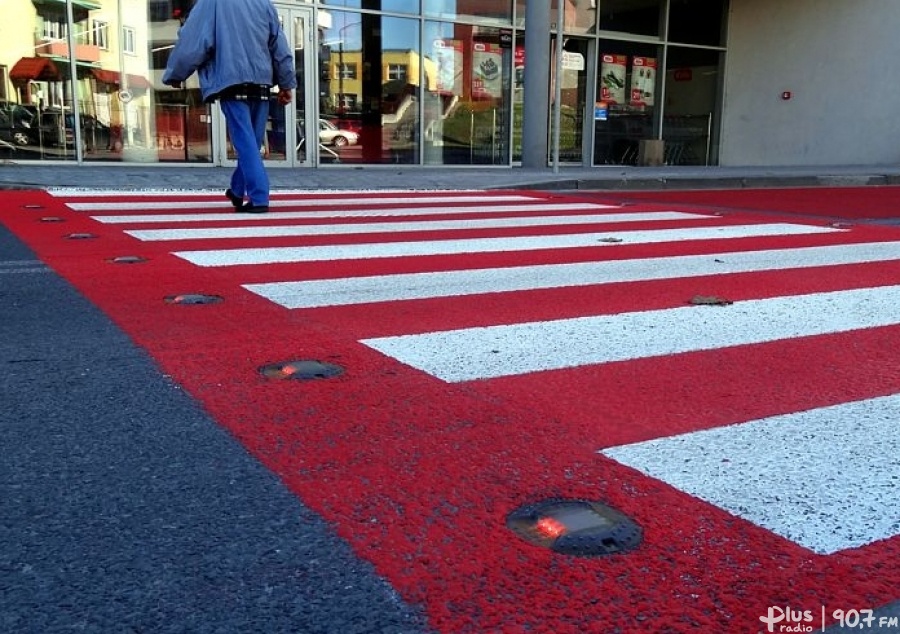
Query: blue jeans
246	121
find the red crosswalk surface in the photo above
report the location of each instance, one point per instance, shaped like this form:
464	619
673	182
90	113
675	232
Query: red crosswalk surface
727	379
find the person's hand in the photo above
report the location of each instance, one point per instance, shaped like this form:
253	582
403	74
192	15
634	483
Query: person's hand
285	96
173	83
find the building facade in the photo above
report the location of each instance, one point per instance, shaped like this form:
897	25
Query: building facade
443	82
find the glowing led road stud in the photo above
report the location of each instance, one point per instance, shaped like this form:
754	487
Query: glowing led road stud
575	527
305	370
193	298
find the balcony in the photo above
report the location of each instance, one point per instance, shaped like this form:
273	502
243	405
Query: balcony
45	47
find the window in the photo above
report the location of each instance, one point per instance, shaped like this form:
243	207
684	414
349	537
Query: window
347	103
393	6
347	71
396	71
495	12
637	18
53	30
128	40
100	35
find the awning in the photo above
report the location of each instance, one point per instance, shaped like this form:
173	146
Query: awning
113	78
82	4
34	69
48	69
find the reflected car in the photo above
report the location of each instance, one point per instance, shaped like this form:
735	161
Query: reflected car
330	134
14	131
349	122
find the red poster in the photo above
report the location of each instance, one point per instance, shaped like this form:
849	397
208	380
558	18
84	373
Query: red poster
643	81
487	66
612	78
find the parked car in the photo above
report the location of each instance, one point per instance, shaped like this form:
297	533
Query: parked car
57	129
330	134
13	131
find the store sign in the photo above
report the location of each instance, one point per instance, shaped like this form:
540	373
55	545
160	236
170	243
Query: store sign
572	61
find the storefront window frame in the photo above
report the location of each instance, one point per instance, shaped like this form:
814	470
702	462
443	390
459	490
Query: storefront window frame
422	13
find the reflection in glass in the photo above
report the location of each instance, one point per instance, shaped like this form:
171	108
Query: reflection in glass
178	123
697	22
638	17
691	88
578	16
493	12
391	6
626	113
467	112
573	98
370	84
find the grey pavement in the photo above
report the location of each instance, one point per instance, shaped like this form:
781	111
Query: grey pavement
187	177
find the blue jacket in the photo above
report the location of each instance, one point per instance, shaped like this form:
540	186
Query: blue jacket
231	42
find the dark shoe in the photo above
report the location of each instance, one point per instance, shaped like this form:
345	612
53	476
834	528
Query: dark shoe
250	208
236	200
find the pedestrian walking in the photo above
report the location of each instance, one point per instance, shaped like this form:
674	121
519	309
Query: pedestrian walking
239	51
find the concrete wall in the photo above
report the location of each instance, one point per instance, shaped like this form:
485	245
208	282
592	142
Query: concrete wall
841	61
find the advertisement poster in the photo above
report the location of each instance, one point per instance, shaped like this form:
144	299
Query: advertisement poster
612	78
487	65
449	57
519	65
643	81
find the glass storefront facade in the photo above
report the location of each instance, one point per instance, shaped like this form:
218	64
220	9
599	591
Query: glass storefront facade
413	82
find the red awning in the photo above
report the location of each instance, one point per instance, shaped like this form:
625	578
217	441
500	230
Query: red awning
113	78
34	69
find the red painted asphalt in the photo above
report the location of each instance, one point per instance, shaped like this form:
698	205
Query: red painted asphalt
839	202
419	475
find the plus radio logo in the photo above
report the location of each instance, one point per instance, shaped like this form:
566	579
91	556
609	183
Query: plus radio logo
787	619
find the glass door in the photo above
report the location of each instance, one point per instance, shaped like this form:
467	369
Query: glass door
286	143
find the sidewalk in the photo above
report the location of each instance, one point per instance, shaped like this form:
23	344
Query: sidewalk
189	177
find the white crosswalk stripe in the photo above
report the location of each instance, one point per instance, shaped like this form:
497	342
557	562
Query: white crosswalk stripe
365	212
399	227
488	352
782	472
385	288
331	228
272	255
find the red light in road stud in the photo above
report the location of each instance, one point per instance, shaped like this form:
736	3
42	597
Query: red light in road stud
305	370
32	206
575	527
550	527
193	299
